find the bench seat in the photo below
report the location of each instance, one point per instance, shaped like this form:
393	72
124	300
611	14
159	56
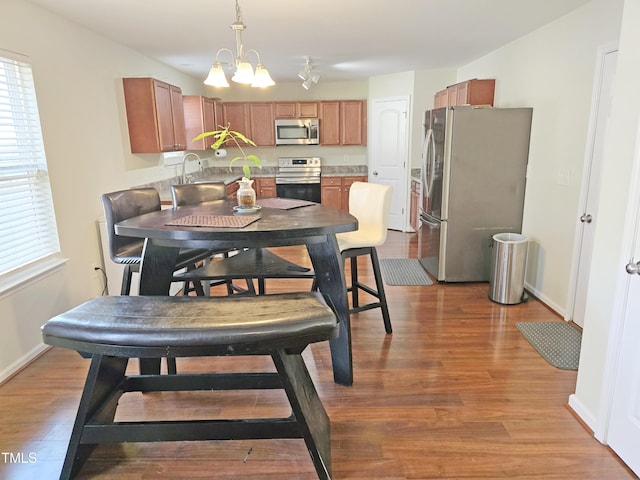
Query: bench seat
111	330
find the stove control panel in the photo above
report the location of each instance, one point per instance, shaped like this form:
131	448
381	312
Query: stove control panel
299	162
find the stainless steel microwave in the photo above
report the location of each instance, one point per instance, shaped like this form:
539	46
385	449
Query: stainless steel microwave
302	131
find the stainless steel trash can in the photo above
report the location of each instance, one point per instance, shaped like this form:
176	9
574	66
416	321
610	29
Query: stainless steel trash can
509	258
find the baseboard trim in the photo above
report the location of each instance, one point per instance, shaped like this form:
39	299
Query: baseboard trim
22	362
582	412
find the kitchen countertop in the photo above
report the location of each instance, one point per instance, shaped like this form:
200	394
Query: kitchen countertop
222	174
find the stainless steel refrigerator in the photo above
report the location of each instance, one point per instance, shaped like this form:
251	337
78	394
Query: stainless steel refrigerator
474	164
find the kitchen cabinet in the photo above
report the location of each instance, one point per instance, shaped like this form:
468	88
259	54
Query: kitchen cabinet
254	120
231	189
201	114
261	124
335	190
236	115
265	187
343	122
470	92
155	116
296	109
414	209
441	99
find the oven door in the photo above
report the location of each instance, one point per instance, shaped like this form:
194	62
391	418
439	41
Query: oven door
300	191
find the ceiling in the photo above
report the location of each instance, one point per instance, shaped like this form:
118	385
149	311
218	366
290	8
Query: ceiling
346	39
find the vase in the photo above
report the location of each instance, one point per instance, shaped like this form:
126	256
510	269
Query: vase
246	195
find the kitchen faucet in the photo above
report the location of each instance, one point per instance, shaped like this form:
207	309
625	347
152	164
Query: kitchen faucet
184	162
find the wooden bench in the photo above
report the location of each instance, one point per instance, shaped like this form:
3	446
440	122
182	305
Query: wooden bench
114	329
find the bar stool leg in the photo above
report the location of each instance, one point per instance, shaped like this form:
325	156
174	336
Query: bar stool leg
380	287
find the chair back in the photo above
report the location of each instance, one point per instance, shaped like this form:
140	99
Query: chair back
119	206
370	204
197	193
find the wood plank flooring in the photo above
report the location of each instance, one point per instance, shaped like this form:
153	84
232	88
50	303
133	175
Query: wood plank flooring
456	392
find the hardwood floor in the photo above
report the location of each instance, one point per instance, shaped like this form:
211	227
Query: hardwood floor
456	392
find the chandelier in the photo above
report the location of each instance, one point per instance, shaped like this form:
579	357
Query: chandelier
244	72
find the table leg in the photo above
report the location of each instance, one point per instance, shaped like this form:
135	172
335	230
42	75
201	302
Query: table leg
327	264
156	272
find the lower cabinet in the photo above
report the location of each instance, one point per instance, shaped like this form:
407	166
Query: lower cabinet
335	190
231	190
265	187
414	210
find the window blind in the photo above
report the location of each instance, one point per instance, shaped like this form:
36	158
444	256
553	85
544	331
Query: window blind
28	231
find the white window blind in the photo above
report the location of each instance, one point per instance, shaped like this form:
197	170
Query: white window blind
28	231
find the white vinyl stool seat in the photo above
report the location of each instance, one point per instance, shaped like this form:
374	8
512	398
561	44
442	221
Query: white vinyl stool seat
370	204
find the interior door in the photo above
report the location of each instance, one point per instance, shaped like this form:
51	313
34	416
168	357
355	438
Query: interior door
588	219
624	425
388	161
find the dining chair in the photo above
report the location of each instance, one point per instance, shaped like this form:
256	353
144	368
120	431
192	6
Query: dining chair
127	251
370	204
247	264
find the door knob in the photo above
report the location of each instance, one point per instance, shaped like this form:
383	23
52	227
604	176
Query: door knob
633	268
375	173
586	218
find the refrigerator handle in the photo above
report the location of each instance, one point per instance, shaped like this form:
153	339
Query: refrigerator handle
424	219
427	163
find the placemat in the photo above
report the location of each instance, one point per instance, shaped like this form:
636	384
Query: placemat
230	221
283	203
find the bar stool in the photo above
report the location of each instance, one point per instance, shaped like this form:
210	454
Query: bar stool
127	251
370	204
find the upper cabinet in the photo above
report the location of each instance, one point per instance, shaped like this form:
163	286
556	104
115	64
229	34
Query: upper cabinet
261	120
343	122
296	109
201	114
155	116
471	92
254	120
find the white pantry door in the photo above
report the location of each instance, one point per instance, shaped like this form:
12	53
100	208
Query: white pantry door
388	154
593	171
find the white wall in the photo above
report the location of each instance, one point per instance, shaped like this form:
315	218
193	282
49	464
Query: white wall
552	70
77	76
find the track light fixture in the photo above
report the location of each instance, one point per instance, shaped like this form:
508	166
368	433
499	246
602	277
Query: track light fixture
308	75
243	69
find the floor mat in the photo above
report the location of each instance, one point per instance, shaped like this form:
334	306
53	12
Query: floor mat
403	271
557	342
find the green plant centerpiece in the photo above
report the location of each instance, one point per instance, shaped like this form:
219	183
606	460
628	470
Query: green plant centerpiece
246	195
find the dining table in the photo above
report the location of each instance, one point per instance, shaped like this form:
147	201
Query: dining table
273	223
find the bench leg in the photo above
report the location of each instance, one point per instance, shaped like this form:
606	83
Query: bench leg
307	409
99	401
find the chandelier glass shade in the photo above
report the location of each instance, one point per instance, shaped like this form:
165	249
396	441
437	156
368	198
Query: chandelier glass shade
242	70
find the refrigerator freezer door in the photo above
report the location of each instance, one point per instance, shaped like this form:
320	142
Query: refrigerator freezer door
429	244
